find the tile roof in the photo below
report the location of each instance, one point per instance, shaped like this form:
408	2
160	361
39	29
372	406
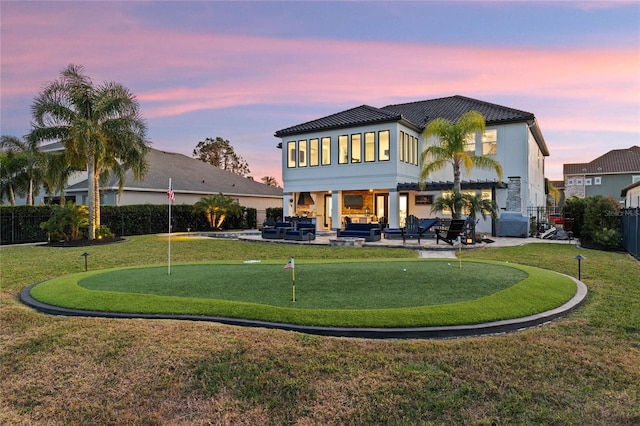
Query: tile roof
615	161
364	114
417	114
189	175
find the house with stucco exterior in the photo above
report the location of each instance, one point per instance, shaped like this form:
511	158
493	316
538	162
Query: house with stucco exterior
191	179
364	163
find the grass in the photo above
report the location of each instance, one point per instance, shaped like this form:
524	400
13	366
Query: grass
583	369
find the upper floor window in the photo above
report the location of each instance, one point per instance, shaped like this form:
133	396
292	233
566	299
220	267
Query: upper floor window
570	182
415	150
579	182
490	142
343	149
326	151
302	153
597	180
401	146
383	145
291	154
635	179
587	181
369	147
314	157
470	144
356	148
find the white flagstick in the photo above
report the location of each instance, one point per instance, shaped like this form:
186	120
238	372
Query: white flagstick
169	256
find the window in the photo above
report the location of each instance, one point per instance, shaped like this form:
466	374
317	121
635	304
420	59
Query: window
302	153
369	147
291	151
415	151
587	181
570	182
326	151
470	144
405	146
313	152
579	182
597	180
635	179
401	146
489	142
356	148
383	145
343	149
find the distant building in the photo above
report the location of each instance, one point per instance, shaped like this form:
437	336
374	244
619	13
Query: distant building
191	180
631	195
607	175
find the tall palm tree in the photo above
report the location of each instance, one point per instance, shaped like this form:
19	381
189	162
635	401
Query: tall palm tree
451	148
99	125
29	155
217	208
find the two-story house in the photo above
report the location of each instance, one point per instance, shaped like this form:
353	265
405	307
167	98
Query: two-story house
607	175
364	162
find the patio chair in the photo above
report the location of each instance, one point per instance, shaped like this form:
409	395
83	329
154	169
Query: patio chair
450	235
415	228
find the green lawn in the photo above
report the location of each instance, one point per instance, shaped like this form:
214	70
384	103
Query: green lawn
384	293
582	369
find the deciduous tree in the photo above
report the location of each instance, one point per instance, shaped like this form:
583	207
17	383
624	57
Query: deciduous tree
219	152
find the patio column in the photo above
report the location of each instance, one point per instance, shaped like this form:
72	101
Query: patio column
394	206
287	204
336	210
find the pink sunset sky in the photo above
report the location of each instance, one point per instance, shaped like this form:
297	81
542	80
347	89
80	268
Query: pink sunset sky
243	70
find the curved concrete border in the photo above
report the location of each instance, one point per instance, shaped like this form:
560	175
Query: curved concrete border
495	327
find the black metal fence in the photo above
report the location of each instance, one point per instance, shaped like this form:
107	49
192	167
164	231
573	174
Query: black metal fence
19	228
630	228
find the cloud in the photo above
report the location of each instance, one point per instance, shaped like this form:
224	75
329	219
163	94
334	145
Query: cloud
177	73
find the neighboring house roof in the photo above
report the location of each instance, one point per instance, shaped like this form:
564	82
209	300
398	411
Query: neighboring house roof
616	161
188	175
418	115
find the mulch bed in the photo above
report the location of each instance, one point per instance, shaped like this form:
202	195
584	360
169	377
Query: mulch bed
85	243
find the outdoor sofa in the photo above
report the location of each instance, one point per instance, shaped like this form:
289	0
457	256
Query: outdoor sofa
369	231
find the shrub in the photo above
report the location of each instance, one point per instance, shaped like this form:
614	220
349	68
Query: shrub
574	207
67	222
607	237
599	213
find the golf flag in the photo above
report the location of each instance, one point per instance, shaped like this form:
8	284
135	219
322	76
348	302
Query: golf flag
172	198
290	265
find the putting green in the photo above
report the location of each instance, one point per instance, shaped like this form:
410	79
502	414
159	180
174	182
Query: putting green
383	293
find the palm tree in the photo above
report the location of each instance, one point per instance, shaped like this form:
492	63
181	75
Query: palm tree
98	125
217	208
57	171
31	159
451	148
476	205
11	176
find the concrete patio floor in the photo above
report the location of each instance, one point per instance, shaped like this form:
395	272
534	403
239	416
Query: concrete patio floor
427	246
